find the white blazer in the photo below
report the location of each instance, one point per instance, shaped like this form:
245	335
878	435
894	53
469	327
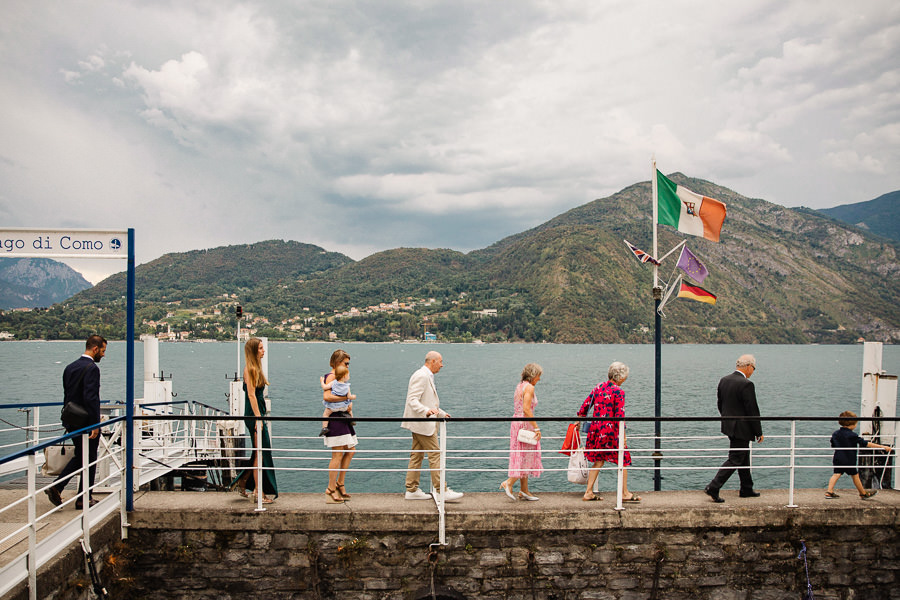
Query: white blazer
421	396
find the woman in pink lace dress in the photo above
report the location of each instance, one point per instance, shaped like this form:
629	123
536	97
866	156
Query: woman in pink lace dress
524	459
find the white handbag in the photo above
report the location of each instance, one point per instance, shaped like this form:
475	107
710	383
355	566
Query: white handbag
526	436
56	458
578	467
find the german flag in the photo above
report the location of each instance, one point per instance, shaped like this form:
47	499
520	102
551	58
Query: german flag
695	292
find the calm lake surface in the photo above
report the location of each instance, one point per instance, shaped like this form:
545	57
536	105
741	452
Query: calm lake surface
478	381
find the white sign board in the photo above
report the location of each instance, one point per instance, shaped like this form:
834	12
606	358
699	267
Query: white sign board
63	243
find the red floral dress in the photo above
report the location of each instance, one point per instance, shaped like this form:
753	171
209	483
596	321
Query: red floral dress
603	436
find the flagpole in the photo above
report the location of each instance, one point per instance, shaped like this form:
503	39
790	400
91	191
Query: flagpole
657	337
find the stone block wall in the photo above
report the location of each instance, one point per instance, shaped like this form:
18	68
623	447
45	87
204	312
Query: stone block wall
610	557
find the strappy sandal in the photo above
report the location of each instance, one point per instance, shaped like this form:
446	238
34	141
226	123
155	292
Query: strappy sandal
265	499
340	489
330	499
239	485
868	494
831	495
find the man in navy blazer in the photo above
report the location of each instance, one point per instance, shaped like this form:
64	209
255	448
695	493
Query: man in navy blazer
737	398
81	385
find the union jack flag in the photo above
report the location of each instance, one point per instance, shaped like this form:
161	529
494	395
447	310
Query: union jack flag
640	254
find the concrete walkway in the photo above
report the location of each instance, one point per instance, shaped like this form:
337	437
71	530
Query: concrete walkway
488	511
477	511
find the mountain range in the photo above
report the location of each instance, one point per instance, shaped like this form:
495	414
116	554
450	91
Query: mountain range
880	216
781	276
30	282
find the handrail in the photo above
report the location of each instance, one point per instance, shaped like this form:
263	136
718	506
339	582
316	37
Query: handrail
57	440
187	438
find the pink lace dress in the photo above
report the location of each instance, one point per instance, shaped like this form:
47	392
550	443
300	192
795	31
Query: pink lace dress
524	459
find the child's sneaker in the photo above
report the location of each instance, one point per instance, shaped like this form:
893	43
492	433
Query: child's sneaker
324	432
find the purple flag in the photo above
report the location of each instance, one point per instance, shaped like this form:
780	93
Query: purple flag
689	263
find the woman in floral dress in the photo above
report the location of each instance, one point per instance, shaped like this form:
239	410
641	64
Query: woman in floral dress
602	445
524	459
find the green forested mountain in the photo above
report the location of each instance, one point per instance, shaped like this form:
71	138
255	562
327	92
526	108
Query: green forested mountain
781	276
881	215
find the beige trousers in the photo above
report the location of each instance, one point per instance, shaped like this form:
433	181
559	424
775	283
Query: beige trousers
421	445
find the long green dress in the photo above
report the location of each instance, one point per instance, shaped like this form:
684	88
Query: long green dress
268	473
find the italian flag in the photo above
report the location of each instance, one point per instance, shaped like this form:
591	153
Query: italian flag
688	211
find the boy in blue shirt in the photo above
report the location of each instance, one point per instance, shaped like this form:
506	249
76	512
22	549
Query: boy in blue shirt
847	444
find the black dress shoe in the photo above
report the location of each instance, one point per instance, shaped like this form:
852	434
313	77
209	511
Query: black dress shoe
53	494
79	504
750	494
714	494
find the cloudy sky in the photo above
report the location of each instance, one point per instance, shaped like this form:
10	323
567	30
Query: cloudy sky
362	126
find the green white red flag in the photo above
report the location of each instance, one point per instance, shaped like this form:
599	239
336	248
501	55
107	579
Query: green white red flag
687	211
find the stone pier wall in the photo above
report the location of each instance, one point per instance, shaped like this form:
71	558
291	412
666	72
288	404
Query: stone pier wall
551	554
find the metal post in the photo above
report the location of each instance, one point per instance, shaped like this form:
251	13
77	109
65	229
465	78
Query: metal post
123	499
259	469
129	379
793	447
620	471
85	489
657	392
442	517
32	528
657	336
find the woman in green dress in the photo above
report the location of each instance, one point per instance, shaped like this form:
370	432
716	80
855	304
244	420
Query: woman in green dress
254	379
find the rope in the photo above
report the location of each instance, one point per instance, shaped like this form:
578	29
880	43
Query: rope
809	590
31	428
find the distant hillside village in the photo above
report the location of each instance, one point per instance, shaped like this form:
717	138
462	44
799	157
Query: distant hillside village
196	324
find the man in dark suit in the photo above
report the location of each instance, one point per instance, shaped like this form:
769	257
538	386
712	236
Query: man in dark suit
81	385
737	398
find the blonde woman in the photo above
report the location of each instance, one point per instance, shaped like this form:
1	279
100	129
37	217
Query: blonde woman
254	404
524	459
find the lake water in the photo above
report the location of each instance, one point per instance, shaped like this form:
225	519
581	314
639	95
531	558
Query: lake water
478	381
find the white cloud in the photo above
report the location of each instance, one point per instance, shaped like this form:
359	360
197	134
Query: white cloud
851	162
444	123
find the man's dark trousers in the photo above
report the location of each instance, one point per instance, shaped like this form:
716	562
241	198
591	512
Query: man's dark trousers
738	456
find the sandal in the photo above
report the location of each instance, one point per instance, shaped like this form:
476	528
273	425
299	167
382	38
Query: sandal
831	495
591	499
634	499
238	484
330	497
868	494
340	488
265	499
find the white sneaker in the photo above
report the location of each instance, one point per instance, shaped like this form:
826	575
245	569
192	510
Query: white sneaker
450	495
417	495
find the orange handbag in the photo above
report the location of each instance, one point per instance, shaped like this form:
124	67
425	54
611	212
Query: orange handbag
572	441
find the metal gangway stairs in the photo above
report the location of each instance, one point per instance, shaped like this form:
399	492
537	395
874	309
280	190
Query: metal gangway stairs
162	448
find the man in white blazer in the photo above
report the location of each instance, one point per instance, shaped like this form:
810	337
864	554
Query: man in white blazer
422	401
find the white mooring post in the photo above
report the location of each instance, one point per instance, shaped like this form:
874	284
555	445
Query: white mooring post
879	399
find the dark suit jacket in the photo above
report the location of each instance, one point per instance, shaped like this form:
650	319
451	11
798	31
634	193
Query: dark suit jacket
737	398
85	392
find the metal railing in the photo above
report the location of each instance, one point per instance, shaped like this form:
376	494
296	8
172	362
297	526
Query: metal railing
166	441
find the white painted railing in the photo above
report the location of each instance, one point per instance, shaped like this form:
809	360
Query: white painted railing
166	441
